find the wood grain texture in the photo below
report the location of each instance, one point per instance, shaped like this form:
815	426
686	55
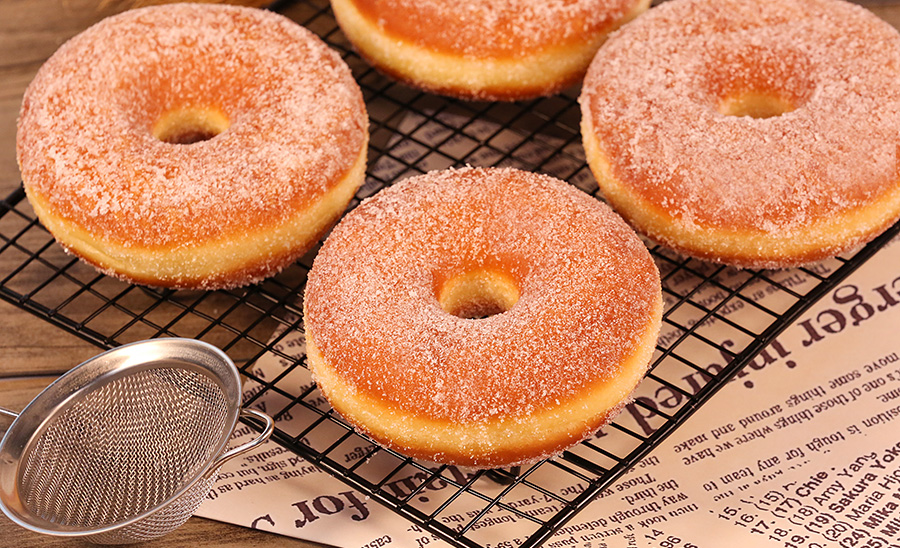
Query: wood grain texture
31	351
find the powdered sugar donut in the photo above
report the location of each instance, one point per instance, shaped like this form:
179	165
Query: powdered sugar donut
483	49
760	133
481	317
192	146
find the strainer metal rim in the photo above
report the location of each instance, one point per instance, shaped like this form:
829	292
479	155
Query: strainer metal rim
176	353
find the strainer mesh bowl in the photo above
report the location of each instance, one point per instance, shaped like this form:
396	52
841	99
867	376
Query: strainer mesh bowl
127	447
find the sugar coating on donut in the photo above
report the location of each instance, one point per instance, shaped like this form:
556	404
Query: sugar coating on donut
280	126
491	27
809	171
514	386
483	49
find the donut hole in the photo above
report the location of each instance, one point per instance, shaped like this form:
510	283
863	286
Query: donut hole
755	105
478	294
759	81
188	125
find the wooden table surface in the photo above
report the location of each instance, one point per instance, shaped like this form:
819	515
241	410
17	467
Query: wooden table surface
33	353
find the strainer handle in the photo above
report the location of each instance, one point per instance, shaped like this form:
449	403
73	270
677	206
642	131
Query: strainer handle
6	419
269	427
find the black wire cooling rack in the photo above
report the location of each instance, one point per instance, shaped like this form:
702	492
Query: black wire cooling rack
716	319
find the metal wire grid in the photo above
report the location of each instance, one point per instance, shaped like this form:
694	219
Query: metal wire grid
716	319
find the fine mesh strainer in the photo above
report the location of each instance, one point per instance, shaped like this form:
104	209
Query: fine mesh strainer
124	447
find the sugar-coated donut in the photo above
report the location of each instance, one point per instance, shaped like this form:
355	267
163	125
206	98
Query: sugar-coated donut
481	317
192	146
483	49
759	133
